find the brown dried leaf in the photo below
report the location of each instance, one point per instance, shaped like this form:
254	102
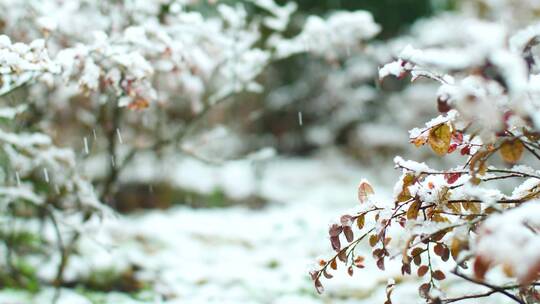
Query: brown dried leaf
480	267
335	230
389	290
423	290
318	286
342	256
327	275
359	262
333	264
531	135
439	275
443	106
439	249
349	235
405	268
446	254
417	255
336	244
439	235
364	190
346	220
380	263
422	270
532	274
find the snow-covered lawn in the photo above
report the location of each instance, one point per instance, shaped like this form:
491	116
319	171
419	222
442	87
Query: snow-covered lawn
237	255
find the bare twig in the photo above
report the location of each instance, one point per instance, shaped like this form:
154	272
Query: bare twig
496	289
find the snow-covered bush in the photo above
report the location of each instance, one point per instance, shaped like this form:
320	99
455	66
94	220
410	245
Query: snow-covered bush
180	61
475	221
45	200
88	86
337	95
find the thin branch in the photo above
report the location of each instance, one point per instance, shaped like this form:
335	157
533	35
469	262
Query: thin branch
490	286
174	139
531	150
59	278
475	296
110	131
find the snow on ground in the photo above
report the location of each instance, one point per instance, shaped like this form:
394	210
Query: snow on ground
236	255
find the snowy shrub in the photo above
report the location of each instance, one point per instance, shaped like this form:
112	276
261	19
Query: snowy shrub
87	86
476	221
179	61
41	185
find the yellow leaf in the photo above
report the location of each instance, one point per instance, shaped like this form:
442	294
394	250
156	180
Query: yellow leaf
508	270
456	247
455	207
373	239
475	207
511	151
478	165
439	139
405	195
482	168
360	221
438	218
412	213
444	195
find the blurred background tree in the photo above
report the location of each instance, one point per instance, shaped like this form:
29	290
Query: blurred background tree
393	15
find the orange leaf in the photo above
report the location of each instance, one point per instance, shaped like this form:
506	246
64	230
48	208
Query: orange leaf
138	104
511	151
333	264
360	221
